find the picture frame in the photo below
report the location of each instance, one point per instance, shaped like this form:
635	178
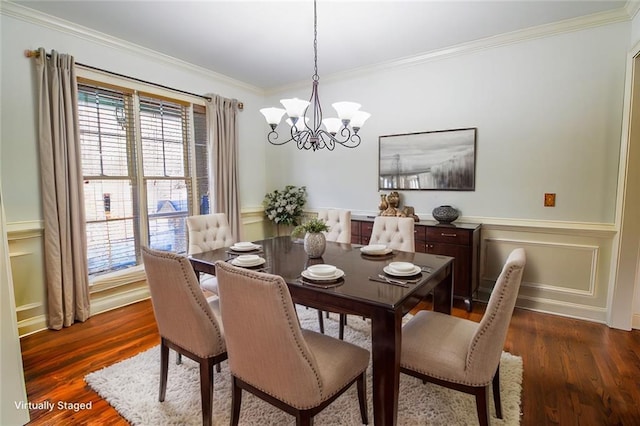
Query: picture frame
439	160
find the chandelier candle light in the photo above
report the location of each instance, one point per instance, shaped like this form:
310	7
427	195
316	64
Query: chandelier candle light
308	129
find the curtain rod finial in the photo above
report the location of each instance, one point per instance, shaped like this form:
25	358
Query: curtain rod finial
240	106
31	53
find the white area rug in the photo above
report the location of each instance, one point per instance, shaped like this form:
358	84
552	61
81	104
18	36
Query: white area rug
131	387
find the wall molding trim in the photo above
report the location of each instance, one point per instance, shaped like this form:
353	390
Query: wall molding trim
32	16
24	227
593	250
564	309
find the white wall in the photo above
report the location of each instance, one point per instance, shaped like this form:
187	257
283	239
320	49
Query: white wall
548	113
21	29
19	164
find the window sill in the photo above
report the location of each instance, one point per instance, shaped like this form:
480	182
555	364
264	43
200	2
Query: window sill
117	279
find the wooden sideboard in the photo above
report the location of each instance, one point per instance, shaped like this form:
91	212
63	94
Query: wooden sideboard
458	240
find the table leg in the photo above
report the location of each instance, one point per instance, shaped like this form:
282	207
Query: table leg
386	334
443	294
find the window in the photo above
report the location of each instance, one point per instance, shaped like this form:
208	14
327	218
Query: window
139	173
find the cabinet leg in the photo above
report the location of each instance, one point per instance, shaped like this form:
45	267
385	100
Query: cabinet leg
468	303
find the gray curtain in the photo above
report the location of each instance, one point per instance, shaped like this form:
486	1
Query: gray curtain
223	151
65	244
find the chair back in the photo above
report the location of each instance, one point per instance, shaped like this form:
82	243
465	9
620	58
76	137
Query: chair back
486	346
265	343
395	232
339	222
208	232
182	313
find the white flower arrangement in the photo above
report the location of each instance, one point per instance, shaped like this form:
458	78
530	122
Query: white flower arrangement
284	207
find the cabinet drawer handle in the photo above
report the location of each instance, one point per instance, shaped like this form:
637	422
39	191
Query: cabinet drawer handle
448	235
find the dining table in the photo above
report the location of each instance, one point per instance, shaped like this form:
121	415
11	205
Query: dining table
356	293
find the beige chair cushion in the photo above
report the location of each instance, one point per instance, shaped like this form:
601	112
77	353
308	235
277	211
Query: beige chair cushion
182	312
339	222
208	232
462	351
268	349
394	232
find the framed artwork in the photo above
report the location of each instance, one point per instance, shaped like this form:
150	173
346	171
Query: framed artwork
439	160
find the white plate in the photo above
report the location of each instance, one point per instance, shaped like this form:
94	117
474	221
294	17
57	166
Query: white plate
338	274
393	272
376	250
244	248
259	261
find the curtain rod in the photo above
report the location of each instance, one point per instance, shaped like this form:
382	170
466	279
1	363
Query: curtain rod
35	54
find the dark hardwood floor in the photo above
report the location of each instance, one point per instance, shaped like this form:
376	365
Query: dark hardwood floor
575	372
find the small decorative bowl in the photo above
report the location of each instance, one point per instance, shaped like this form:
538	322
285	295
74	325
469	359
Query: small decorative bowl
445	214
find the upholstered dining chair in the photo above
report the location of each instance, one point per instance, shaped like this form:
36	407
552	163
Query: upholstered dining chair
208	232
462	354
394	232
271	356
187	323
339	222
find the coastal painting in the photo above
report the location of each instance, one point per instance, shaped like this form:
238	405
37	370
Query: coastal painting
436	160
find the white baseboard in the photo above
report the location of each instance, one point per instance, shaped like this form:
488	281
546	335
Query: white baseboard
118	300
635	322
99	305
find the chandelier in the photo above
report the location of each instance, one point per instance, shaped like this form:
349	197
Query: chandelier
308	129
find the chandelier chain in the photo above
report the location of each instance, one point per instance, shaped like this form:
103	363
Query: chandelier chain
315	42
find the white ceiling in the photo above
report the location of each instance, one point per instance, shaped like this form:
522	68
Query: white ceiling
269	44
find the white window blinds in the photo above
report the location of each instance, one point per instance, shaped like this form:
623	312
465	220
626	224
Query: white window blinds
137	172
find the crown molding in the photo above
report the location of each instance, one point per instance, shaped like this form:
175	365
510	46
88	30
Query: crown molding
57	24
622	14
632	8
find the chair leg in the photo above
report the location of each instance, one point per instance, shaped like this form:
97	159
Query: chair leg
206	390
343	322
304	418
496	393
236	401
164	369
482	405
320	321
362	398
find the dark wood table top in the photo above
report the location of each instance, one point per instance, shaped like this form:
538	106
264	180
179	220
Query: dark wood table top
288	259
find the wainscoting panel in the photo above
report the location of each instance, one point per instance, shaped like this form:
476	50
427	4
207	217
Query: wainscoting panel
567	271
25	241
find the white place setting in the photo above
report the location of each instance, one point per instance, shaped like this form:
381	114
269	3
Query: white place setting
243	246
402	269
248	260
322	274
376	250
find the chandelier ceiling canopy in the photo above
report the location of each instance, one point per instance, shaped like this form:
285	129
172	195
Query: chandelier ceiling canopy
307	127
